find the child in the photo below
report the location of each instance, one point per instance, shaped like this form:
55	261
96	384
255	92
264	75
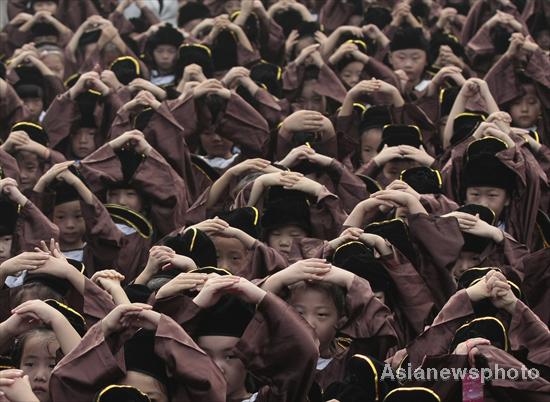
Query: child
161	49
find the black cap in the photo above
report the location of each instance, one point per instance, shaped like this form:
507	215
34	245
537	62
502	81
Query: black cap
9	213
308	28
490	328
57	284
30	83
43	29
196	54
63	192
472	242
412	394
440	38
375	116
379	16
372	185
129	217
165	35
285	207
472	275
465	124
422	179
192	11
121	393
229	317
401	134
137	293
397	233
358	258
288	19
246	219
269	76
89	37
211	270
129	163
126	69
140	356
409	38
203	166
34	130
447	97
500	38
195	244
74	317
484	169
86	103
6	363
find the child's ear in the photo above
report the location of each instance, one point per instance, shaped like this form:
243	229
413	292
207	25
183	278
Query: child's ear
341	321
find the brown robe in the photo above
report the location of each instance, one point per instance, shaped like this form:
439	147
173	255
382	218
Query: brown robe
536	283
370	326
97	362
11	111
8	166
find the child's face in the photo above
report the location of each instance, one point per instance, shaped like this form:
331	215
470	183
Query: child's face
215	145
38	360
393	168
281	238
33	107
351	73
370	141
165	57
411	61
221	350
466	260
309	99
83	142
68	217
526	110
127	197
231	253
45	5
5	247
153	388
29	169
319	310
490	197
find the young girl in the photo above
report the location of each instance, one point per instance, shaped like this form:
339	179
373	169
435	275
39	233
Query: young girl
161	49
40	330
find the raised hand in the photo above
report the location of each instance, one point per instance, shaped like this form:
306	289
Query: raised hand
181	283
214	289
304	120
123	318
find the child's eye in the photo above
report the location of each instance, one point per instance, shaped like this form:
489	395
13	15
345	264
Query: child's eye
28	364
322	315
230	357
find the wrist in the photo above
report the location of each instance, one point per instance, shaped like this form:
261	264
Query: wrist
498	236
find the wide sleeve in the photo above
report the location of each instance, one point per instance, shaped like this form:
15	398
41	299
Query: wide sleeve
32	227
275	333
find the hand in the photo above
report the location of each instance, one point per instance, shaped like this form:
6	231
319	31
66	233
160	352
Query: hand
234	77
28	261
396	198
339	276
290	42
211	86
193	72
10	189
480	289
446	72
251	165
448	58
502	120
85	81
530	45
123	317
344	50
282	178
446	18
108	279
470	349
159	256
363	88
21	18
134	139
501	293
377	242
247	291
417	154
139	84
15	140
214	289
296	155
211	226
141	100
17	324
373	32
307	186
181	283
109	78
349	234
387	154
304	120
53	250
180	262
517	41
474	225
38	310
50	175
306	53
403	186
16	387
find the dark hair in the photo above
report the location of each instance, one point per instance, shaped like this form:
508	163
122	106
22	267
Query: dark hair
20	341
336	293
38	291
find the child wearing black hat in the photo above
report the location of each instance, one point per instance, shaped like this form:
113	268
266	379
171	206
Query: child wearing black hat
134	345
161	50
